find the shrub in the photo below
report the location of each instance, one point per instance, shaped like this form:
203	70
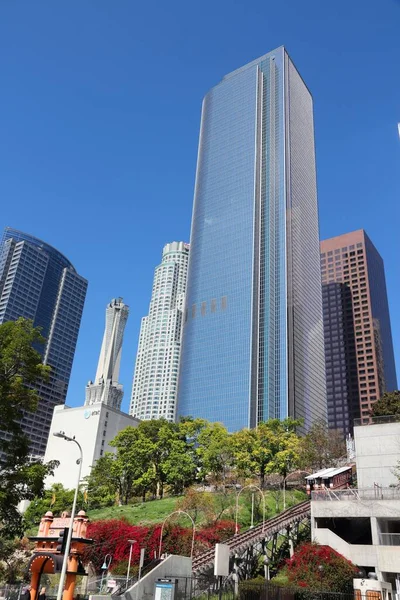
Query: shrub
337	572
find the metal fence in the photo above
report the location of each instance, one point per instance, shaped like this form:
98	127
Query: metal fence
211	588
377	420
350	494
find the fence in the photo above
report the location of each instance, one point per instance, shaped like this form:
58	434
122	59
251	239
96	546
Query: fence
376	493
211	588
376	420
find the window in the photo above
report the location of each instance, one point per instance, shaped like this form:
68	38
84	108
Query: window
223	302
203	308
213	305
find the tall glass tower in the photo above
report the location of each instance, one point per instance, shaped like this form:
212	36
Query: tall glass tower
37	282
155	380
253	344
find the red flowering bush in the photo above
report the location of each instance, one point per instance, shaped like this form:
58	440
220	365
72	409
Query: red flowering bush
112	537
320	568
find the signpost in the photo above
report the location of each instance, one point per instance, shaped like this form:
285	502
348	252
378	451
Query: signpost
165	589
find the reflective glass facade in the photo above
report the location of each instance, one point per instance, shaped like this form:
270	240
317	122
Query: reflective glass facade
360	363
39	283
253	316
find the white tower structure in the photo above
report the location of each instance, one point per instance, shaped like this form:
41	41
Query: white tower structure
106	388
155	380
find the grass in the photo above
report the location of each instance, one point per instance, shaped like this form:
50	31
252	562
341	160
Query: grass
146	513
155	511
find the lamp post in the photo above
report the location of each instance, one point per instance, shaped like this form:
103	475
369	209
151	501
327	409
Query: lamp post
62	435
252	507
321	572
266	568
177	512
104	568
131	542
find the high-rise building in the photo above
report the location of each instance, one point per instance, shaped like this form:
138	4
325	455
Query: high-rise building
106	388
252	344
155	379
358	340
39	283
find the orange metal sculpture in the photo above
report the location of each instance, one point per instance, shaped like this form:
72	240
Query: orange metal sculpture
49	550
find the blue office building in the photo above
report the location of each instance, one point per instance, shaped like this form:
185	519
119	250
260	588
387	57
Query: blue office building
253	344
39	283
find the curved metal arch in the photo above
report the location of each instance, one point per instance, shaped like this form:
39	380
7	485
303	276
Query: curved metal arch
176	512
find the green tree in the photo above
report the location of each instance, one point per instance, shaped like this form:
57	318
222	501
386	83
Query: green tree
321	447
387	405
273	447
147	458
20	368
57	499
215	452
14	557
104	485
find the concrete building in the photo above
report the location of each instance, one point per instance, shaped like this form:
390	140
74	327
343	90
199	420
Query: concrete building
106	388
37	282
363	524
252	346
94	427
155	380
358	341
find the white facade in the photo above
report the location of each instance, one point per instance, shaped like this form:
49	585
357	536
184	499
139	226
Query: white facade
106	388
363	524
378	454
155	381
93	427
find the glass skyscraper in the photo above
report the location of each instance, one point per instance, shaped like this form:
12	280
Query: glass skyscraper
39	283
253	344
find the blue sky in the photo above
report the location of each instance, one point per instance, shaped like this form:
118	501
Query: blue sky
99	118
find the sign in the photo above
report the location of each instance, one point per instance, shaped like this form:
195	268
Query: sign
90	413
58	524
221	562
112	583
142	553
165	589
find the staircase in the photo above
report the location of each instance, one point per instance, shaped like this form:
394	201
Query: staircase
242	541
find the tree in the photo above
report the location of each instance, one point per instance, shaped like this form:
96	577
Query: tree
14	557
57	499
20	369
387	405
273	447
321	447
146	459
215	453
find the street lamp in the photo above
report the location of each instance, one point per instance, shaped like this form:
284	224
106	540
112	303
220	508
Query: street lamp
131	542
321	572
104	568
62	435
251	485
266	568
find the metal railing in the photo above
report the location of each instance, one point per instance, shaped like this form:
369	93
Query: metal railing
351	494
376	420
389	539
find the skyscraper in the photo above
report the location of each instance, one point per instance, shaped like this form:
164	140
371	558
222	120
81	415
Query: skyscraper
155	380
106	388
358	340
39	283
252	344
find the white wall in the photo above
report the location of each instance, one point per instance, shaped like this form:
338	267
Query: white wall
91	426
377	454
